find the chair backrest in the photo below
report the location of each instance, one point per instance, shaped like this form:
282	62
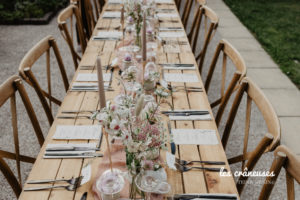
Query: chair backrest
230	52
25	71
8	91
284	157
68	34
270	140
186	12
89	12
210	24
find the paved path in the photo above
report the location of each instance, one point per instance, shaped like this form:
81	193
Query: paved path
282	93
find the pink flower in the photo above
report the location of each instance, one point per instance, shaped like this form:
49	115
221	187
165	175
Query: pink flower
148	164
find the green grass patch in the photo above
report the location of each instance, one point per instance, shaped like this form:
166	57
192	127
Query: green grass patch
276	25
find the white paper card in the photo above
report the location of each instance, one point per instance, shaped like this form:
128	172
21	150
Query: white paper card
170	160
115	1
166	15
195	136
68	132
171	34
179	68
177	77
111	15
164	1
109	34
92	77
80	84
86	172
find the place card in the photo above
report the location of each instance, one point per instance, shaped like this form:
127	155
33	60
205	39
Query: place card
190	117
164	1
86	172
179	68
115	1
171	34
108	35
195	136
177	77
111	15
170	159
92	77
167	15
83	85
84	132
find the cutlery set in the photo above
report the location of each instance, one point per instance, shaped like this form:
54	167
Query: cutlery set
211	196
181	165
73	184
185	112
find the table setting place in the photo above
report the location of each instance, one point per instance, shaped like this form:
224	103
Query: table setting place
132	164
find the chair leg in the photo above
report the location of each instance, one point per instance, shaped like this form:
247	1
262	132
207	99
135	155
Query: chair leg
256	154
290	186
268	186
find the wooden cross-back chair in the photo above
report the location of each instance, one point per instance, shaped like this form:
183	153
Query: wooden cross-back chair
286	158
41	48
99	4
186	12
230	52
178	4
270	140
8	91
210	22
68	34
89	12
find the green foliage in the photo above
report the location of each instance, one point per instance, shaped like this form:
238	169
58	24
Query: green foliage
15	10
276	25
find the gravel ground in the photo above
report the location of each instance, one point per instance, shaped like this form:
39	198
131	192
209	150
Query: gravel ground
15	41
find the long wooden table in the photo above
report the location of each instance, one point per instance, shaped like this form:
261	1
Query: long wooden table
187	182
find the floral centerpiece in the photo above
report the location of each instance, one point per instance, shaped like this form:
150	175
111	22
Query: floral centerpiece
134	12
137	123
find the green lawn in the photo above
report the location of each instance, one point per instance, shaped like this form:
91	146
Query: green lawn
276	25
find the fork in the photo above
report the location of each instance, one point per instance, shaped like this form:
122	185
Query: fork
185	168
67	187
184	162
72	181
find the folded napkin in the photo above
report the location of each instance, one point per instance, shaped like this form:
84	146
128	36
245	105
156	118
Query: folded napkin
111	15
92	77
177	77
70	145
195	136
167	15
190	117
171	34
69	132
115	1
108	35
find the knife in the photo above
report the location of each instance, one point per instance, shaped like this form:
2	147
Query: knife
204	196
170	28
186	114
74	154
183	111
70	148
173	146
176	65
84	196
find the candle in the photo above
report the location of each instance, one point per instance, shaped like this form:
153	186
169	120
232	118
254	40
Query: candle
100	84
144	52
122	16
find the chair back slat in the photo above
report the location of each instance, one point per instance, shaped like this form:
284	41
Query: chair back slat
25	70
247	128
283	157
8	92
62	19
229	52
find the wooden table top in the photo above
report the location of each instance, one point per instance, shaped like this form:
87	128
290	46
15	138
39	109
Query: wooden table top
188	182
